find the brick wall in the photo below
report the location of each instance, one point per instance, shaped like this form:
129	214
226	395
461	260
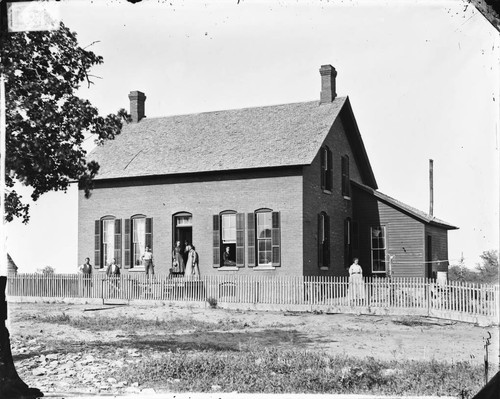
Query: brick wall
334	204
279	189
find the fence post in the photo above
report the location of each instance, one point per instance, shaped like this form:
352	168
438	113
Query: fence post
428	294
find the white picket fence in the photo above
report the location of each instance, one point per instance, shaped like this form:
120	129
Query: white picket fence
451	300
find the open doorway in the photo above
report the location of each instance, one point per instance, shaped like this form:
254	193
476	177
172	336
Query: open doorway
183	231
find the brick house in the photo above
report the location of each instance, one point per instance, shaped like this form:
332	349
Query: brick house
285	189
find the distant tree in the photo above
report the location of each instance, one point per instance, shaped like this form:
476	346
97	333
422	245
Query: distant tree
47	271
462	273
485	272
488	269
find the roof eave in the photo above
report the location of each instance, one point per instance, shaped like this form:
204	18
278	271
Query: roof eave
347	116
387	200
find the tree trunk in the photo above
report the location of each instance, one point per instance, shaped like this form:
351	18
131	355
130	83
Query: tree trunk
11	385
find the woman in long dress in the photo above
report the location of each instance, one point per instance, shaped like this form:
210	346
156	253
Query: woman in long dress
192	267
356	284
177	261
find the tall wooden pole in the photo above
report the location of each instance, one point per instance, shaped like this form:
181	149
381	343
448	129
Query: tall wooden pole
431	187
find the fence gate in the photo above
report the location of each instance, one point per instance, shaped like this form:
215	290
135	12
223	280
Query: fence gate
115	291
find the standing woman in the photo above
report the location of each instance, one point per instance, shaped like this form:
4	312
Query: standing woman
177	261
356	284
192	268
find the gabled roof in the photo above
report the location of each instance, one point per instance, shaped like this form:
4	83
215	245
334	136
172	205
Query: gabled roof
416	213
261	137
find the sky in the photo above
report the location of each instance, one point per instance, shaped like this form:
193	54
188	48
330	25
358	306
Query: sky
422	77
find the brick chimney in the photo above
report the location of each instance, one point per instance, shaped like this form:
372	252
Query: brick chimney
137	100
328	74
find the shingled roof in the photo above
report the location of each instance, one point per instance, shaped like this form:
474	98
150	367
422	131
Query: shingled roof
416	213
261	137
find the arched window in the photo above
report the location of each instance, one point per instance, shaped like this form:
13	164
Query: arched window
347	242
346	182
326	169
323	240
229	239
264	232
107	241
138	236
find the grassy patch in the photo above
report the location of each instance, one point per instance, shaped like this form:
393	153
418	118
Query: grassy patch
128	324
275	370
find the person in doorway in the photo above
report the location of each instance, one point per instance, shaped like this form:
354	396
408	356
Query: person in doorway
185	251
192	267
86	270
177	259
147	261
356	284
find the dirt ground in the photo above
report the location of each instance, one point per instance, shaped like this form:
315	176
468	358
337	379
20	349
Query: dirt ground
40	349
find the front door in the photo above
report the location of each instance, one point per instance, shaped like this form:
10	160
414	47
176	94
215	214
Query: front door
183	231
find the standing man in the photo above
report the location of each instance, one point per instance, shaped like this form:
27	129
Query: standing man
86	269
113	269
147	261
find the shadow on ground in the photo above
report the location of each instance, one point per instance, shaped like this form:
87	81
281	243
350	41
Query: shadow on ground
198	341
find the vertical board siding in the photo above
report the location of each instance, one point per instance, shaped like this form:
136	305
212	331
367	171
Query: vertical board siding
418	296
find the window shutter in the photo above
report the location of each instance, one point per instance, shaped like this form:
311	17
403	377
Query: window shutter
149	233
329	171
320	242
347	180
118	241
240	239
251	239
216	241
327	244
97	245
275	238
322	163
127	252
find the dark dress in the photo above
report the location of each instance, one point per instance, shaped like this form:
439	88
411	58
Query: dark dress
177	261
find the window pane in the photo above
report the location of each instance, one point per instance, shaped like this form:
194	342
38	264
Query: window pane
108	240
262	245
139	239
229	228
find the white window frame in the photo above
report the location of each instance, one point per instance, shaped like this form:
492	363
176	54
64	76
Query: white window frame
383	230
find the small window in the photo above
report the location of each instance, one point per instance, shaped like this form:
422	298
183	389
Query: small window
378	249
326	169
346	182
323	240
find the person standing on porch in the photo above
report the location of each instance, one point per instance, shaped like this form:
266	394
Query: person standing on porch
192	267
177	260
356	284
147	260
